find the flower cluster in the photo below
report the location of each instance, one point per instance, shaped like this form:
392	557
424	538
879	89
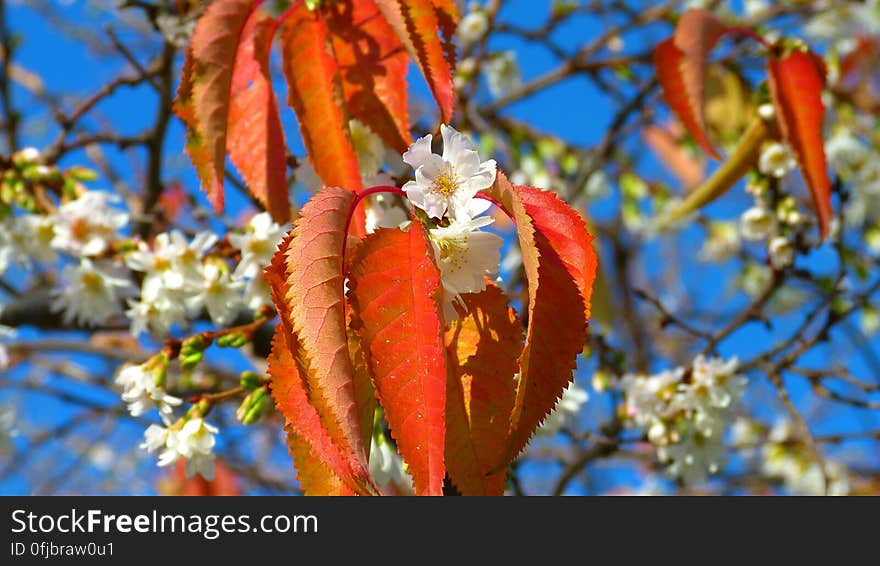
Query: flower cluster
445	188
182	277
684	413
193	441
858	163
86	230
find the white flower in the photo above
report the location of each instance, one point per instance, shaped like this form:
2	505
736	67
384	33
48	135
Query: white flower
781	251
91	292
785	457
141	392
257	293
766	111
449	181
5	358
756	223
172	265
722	243
693	457
176	30
26	238
502	73
568	407
845	151
155	438
387	467
195	441
27	155
220	295
745	433
776	160
755	278
645	397
755	8
368	146
87	226
157	315
258	243
465	257
472	27
381	212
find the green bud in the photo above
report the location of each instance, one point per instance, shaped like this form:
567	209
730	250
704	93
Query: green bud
82	173
233	340
159	366
250	380
191	360
258	407
193	345
253	406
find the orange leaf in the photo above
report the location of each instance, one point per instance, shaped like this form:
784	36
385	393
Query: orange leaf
796	83
394	289
681	63
373	64
255	137
560	266
319	463
417	23
307	285
204	93
315	94
482	349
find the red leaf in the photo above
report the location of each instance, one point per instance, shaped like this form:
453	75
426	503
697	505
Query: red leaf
796	83
307	285
560	266
373	64
204	93
394	289
482	351
315	94
417	23
256	140
319	463
681	63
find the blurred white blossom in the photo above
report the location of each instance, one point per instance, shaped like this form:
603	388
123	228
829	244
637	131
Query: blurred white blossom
567	409
684	412
781	251
757	223
91	292
776	160
502	73
87	226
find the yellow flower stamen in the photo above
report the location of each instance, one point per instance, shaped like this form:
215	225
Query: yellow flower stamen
446	182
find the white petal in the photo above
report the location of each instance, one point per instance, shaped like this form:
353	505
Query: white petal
454	144
418	152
